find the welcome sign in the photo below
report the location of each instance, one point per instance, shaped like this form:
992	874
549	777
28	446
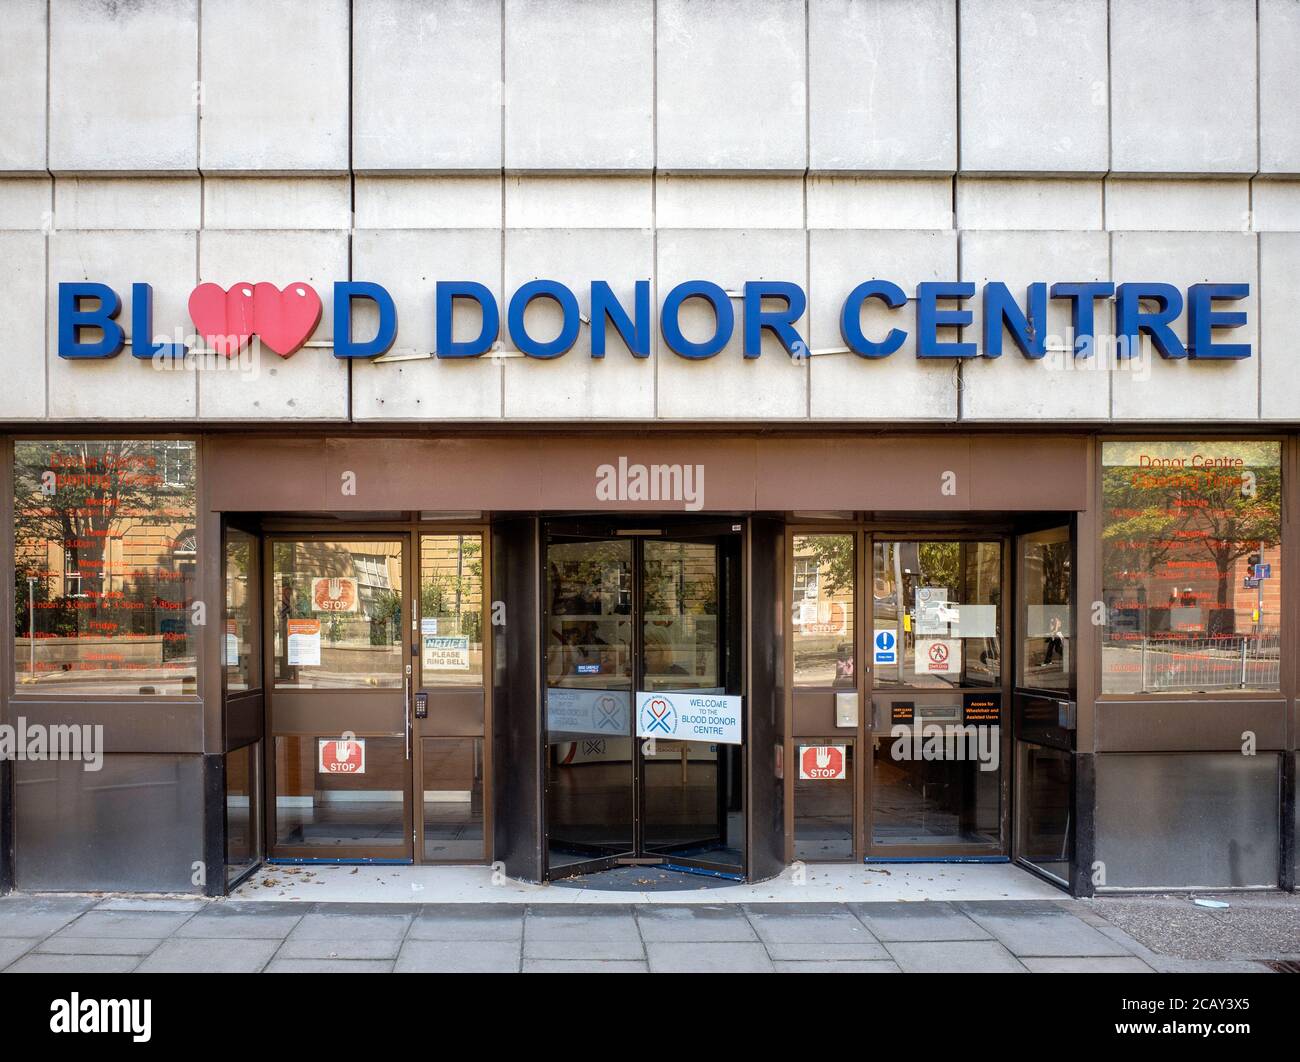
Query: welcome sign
283	319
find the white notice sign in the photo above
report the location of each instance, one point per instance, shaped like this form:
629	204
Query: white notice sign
304	642
442	653
689	716
938	656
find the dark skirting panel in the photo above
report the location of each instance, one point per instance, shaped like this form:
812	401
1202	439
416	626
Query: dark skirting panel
765	693
6	827
518	797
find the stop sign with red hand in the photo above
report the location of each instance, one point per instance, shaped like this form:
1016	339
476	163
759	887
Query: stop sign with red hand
821	762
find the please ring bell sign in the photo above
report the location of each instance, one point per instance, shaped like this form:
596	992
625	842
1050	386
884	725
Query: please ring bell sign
689	717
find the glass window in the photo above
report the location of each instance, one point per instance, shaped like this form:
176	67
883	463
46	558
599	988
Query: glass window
1047	648
589	608
243	810
822	610
823	802
104	558
238	647
942	603
360	807
451	609
338	614
1044	836
680	618
1191	566
453	799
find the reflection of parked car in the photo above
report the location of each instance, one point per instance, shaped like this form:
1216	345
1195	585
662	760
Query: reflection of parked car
946	613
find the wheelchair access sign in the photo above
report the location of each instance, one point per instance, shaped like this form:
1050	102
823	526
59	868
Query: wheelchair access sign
689	717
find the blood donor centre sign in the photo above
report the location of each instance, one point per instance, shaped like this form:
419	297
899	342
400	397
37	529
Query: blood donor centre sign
341	755
822	762
689	717
226	320
578	711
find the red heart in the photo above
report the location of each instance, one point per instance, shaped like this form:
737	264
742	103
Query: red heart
228	319
285	319
224	318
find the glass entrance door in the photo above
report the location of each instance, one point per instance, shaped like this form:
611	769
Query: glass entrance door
628	613
338	678
937	720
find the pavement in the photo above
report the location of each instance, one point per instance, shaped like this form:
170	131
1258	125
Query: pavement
118	934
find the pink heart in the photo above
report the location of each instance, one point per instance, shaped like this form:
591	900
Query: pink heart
228	318
285	319
224	318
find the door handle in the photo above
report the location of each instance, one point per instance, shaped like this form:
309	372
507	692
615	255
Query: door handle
406	705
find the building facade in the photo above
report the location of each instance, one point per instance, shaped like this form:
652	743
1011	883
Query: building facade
702	433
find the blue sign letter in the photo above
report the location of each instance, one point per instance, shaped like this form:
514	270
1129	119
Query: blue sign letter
344	345
72	319
779	322
562	297
1028	330
1132	320
929	318
446	292
1082	296
606	309
142	344
851	318
724	319
1204	319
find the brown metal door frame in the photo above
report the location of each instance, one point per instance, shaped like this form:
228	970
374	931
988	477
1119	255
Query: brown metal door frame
346	532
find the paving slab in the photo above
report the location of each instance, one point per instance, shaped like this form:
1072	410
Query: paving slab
68	964
581	922
65	945
781	923
604	950
918	921
838	966
127	924
209	955
1046	934
324	948
468	922
796	952
1087	964
12	948
318	925
274	924
448	956
35	916
722	957
565	966
694	923
329	966
954	956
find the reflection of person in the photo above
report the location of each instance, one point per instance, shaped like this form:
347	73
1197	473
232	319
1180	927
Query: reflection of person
1055	642
844	665
660	653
